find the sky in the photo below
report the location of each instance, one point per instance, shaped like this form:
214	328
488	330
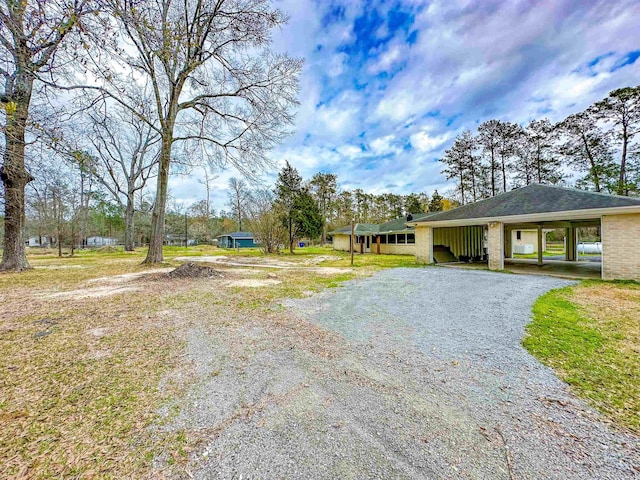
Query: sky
387	85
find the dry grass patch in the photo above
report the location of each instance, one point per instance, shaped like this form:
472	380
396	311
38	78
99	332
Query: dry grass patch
590	334
84	376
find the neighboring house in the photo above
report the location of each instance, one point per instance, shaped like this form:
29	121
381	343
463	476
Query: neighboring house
101	241
37	242
539	207
393	237
237	240
177	240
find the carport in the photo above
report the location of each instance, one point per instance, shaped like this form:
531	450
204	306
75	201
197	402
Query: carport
542	207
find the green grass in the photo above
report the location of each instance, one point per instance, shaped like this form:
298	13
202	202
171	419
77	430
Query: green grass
589	334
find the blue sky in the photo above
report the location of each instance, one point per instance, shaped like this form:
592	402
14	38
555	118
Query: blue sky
387	85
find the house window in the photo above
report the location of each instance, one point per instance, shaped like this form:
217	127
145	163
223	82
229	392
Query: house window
383	239
411	238
402	238
392	238
518	235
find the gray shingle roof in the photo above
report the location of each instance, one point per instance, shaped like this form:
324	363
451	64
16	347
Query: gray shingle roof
398	224
359	229
395	225
534	199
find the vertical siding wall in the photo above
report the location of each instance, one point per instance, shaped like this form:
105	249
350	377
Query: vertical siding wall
462	241
620	257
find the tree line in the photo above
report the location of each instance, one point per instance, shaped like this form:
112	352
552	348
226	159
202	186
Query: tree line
296	208
596	149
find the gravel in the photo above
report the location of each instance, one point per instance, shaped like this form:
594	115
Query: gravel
411	373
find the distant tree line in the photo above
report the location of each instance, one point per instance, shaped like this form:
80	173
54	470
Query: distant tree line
596	149
297	209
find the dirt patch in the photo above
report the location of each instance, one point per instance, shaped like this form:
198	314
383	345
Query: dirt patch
254	282
191	270
317	259
96	292
128	277
61	267
107	249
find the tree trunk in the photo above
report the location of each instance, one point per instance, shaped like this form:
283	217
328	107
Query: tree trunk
14	175
594	171
504	175
154	255
129	228
623	163
291	237
493	173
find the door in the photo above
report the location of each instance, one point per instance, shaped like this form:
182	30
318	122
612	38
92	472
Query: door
367	245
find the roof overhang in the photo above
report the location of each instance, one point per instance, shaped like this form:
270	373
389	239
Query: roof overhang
586	214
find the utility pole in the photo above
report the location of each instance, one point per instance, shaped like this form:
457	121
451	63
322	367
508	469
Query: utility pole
352	242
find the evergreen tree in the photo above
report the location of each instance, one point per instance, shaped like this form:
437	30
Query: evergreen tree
324	187
489	141
416	203
435	204
307	215
586	147
288	187
622	109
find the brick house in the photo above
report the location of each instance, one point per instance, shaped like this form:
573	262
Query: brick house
538	207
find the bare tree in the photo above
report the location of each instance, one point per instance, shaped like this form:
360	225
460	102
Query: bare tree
126	154
208	179
265	221
212	81
31	32
239	198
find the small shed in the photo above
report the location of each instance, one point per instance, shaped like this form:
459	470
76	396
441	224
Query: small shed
237	240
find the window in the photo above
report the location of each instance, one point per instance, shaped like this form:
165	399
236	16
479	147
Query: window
518	235
392	238
402	238
411	238
383	239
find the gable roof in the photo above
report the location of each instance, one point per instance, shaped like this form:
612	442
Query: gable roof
534	199
237	235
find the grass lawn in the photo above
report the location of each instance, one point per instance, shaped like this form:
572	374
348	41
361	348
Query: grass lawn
590	335
84	371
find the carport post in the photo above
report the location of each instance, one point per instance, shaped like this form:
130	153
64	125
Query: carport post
496	246
540	245
352	240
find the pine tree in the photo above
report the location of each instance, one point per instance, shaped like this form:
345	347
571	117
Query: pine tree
435	204
622	109
288	187
586	147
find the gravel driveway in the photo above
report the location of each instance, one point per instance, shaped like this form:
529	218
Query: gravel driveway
412	373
